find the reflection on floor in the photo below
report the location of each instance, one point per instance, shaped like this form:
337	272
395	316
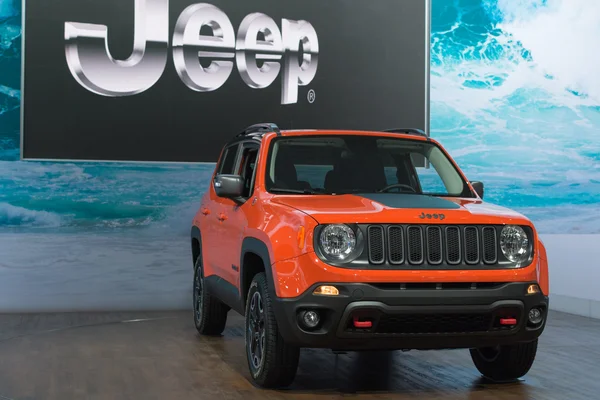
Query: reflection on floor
160	356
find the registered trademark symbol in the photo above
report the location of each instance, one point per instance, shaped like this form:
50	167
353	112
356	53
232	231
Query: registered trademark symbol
311	96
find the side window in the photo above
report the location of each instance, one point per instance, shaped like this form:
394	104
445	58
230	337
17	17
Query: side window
247	169
228	161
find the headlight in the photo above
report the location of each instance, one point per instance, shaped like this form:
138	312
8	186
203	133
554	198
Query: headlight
514	243
337	242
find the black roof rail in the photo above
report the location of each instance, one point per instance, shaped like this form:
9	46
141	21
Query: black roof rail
408	131
260	129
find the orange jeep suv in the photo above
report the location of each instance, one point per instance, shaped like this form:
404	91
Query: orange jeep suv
359	240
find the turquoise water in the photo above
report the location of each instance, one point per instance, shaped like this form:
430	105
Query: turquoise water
515	99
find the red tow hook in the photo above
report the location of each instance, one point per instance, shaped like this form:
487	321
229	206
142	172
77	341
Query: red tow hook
508	321
362	324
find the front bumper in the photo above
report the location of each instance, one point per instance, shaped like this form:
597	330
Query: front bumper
412	316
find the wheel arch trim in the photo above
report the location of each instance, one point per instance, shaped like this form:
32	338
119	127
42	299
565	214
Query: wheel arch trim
195	235
255	246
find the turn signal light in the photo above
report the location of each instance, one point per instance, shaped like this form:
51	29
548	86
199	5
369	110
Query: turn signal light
301	237
533	289
327	291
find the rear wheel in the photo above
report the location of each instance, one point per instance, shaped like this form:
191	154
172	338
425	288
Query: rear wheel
505	363
272	362
210	314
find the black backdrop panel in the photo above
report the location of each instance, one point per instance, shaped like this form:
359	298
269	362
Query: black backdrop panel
371	73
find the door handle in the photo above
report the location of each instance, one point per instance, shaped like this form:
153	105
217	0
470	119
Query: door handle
205	211
222	217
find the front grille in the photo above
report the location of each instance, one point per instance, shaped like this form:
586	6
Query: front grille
415	245
490	245
396	247
471	245
453	245
376	246
434	323
432	245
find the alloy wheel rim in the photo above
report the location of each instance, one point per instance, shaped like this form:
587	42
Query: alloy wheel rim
256	331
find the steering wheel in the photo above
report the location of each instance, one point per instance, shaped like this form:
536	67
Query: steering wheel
397	186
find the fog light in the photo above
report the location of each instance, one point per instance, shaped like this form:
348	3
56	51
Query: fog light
533	289
311	319
327	291
535	316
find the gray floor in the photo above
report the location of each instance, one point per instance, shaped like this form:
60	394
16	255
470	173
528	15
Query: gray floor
159	356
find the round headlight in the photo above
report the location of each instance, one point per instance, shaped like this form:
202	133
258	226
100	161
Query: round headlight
337	241
514	243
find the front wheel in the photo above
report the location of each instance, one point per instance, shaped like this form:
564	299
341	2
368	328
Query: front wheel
505	363
272	362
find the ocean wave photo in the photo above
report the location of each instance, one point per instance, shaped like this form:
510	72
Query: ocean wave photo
514	99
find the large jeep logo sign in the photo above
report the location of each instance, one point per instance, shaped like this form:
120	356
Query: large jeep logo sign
261	50
174	80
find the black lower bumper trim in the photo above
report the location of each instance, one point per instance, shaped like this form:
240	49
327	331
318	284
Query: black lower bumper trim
412	319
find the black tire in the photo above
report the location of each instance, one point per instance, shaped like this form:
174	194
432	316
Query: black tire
272	362
210	314
505	363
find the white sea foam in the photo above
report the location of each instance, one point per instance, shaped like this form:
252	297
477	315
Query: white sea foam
522	99
18	216
563	37
10	92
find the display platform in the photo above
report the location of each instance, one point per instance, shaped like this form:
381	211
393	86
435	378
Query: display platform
160	356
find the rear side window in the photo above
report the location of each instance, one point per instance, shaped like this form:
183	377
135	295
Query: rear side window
227	166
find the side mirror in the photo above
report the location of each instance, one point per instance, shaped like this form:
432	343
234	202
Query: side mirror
478	186
229	186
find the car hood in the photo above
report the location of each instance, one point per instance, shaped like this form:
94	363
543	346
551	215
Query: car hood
399	208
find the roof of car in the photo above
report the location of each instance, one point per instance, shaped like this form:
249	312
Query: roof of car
408	133
259	131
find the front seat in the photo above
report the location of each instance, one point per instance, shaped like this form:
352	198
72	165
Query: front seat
356	173
286	176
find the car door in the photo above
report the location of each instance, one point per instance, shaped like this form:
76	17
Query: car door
234	219
211	212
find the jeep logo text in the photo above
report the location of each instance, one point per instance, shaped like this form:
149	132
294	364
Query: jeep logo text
259	41
441	217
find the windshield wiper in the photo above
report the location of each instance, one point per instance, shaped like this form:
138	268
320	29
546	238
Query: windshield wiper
293	191
407	192
349	191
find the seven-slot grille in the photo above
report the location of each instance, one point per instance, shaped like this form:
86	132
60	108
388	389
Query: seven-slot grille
432	244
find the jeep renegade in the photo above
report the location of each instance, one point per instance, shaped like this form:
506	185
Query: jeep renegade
351	241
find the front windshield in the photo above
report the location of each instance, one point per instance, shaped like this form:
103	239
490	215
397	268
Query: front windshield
361	164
